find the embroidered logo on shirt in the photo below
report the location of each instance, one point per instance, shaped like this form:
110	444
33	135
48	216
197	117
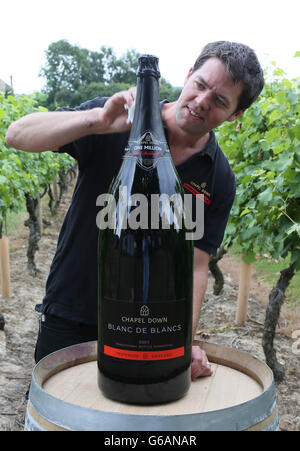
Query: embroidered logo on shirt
199	192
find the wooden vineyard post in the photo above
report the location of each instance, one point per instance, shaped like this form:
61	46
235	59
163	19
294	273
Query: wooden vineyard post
243	296
4	267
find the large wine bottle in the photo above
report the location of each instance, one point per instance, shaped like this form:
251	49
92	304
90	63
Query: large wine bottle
145	265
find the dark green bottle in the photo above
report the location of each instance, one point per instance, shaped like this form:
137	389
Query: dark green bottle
145	265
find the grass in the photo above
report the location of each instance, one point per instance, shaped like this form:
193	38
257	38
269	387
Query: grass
13	220
268	270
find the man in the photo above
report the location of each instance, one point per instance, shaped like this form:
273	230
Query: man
224	81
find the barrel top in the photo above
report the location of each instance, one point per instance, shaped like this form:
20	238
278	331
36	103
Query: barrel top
71	375
64	394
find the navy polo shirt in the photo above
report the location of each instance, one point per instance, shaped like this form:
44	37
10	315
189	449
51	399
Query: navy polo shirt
71	289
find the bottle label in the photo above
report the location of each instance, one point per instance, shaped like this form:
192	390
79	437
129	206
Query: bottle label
136	331
147	149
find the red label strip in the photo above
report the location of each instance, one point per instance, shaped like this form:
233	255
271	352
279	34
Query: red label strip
144	355
196	193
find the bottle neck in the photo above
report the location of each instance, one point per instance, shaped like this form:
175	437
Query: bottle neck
147	117
147	142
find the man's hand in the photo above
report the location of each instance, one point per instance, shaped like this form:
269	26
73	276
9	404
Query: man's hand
200	363
113	116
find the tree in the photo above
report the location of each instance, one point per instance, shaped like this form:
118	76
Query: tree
69	67
126	68
167	91
74	75
93	90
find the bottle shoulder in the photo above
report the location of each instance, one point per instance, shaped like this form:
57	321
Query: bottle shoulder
160	178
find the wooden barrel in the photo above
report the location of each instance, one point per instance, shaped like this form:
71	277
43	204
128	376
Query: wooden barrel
64	395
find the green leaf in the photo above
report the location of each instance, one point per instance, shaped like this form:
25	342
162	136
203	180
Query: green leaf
281	96
294	228
266	196
245	212
295	258
292	97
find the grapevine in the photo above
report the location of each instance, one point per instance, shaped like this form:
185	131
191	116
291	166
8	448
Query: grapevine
264	152
25	176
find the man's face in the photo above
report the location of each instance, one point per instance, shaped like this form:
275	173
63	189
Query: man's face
209	97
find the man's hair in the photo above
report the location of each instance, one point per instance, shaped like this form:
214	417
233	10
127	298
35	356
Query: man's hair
242	64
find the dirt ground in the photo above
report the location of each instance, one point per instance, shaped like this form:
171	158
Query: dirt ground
217	325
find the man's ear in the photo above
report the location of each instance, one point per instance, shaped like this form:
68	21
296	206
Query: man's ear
188	75
234	116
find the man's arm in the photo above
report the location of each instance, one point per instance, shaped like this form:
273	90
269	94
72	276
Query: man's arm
200	364
38	132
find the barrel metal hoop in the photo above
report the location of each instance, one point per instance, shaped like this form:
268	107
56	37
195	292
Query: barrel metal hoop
72	417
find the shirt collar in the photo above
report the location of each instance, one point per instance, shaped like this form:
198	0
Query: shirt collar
211	146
